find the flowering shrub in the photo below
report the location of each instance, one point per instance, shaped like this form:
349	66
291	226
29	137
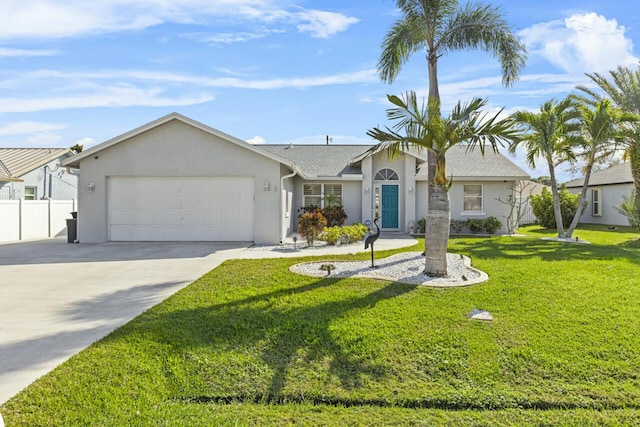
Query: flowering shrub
310	225
352	233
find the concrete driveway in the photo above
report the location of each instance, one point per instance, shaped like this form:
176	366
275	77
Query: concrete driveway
57	298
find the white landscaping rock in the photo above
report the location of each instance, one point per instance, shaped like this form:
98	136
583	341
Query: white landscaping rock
477	314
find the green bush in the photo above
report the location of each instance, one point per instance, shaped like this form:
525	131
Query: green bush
335	215
630	207
353	233
310	225
542	207
422	225
457	225
476	225
491	225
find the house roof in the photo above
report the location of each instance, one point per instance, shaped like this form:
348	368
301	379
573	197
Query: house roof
75	160
616	174
464	164
317	161
15	162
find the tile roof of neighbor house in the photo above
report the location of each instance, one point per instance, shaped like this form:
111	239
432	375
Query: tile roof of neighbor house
15	162
616	174
319	160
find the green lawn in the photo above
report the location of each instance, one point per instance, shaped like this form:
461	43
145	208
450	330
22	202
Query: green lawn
252	344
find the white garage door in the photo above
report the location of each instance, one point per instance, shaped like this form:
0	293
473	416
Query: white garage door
181	209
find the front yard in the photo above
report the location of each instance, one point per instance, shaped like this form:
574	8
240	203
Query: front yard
251	343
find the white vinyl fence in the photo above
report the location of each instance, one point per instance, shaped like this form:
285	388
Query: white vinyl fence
34	219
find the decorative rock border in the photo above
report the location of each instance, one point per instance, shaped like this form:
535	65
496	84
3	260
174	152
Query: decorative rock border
405	267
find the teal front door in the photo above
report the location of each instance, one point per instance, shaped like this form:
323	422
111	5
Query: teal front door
389	206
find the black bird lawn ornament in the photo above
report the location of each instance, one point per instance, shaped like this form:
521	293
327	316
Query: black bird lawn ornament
370	240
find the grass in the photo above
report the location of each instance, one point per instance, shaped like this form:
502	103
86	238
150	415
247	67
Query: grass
252	344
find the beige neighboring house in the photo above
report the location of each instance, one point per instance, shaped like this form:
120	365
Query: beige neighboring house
35	173
177	179
604	195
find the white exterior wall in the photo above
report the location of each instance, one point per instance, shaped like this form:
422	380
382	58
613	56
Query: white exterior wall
59	184
350	199
405	167
176	149
491	190
611	197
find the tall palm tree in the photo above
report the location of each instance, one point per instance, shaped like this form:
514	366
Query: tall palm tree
438	27
623	88
600	129
422	128
551	134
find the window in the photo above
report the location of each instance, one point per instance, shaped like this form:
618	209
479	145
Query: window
596	202
386	174
30	193
322	195
472	198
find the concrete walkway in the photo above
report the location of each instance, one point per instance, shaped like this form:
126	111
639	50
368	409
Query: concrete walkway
58	298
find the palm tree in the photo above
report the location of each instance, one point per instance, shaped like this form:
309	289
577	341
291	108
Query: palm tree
600	130
623	88
438	27
550	134
422	128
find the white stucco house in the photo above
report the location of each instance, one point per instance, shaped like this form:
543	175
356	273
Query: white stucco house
35	173
177	179
604	195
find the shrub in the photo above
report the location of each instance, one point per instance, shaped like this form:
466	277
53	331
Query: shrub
310	225
476	225
353	233
491	225
335	215
630	207
457	225
542	206
422	225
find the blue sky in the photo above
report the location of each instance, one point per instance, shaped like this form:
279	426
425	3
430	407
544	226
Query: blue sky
268	71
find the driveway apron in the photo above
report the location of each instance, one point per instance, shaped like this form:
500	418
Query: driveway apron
57	298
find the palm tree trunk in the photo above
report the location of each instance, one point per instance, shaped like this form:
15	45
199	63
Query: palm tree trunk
583	200
434	93
556	202
437	232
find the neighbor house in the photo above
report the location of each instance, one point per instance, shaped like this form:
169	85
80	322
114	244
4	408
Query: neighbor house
35	173
606	190
177	179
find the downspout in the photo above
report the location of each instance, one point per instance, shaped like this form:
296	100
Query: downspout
283	201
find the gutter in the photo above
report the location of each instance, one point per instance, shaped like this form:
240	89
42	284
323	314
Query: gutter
283	202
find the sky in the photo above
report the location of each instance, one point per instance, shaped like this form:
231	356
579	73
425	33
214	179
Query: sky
271	71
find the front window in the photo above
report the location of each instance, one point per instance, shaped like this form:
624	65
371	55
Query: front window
386	174
473	198
322	195
30	193
596	204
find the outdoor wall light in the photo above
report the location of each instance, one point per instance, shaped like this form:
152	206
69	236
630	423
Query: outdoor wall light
267	186
366	190
410	189
92	187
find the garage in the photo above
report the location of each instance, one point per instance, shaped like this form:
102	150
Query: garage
180	208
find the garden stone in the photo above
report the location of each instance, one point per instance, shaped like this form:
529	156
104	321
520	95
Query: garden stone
477	314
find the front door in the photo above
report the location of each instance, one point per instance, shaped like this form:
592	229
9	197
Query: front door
389	206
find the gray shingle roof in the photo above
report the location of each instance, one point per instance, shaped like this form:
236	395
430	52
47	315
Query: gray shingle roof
471	164
334	161
319	160
616	174
15	162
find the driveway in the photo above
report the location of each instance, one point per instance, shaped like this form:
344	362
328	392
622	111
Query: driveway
57	298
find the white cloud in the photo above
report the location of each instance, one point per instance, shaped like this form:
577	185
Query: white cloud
45	139
256	140
56	19
228	38
323	24
106	96
9	52
28	128
581	43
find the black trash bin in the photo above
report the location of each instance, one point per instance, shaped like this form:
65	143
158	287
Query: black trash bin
72	230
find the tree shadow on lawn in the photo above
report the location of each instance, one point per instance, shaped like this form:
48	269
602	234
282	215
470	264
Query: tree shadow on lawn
545	250
282	329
